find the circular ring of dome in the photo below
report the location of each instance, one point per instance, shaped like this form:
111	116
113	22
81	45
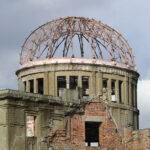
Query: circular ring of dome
103	41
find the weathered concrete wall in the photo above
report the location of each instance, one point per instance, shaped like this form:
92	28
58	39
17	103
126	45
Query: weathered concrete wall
16	105
3	126
124	111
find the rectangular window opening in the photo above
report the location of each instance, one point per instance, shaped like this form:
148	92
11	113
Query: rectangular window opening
85	86
31	82
73	82
25	85
61	83
135	96
40	86
92	134
113	96
105	83
120	91
30	126
132	93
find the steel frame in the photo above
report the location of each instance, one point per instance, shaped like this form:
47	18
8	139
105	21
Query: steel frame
61	32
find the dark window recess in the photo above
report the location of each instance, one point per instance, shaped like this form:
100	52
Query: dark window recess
25	85
113	98
132	94
40	86
128	91
73	82
31	82
85	86
92	133
105	82
61	83
136	96
120	91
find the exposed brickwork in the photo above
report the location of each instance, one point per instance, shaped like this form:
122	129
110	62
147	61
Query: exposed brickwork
137	140
72	136
75	130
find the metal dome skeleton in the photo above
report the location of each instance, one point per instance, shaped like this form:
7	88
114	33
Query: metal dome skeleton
102	40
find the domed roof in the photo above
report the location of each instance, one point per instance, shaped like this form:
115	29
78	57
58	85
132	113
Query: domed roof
76	37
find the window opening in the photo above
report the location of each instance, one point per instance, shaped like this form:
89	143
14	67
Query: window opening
120	91
132	93
30	126
61	83
135	95
40	86
25	85
105	83
85	86
73	82
31	82
92	133
113	97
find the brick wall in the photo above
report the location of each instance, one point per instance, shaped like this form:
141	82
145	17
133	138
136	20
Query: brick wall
73	135
137	140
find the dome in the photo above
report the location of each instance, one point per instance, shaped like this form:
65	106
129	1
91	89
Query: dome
76	37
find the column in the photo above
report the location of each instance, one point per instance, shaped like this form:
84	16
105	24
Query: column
52	86
99	83
117	90
80	81
130	99
46	83
28	86
123	92
126	90
35	86
67	82
80	85
93	84
109	89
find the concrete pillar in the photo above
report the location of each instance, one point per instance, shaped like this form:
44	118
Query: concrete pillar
126	90
130	99
46	83
99	83
35	86
52	84
123	91
28	86
80	81
109	89
117	90
92	84
67	82
20	85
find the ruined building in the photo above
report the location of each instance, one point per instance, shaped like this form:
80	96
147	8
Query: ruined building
77	90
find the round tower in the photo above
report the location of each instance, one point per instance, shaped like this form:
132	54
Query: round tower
80	58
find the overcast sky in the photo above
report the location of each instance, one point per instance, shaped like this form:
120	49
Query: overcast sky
129	17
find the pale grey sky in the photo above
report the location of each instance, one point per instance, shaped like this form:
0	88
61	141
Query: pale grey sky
129	17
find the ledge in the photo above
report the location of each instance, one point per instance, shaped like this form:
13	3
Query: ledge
68	60
23	96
